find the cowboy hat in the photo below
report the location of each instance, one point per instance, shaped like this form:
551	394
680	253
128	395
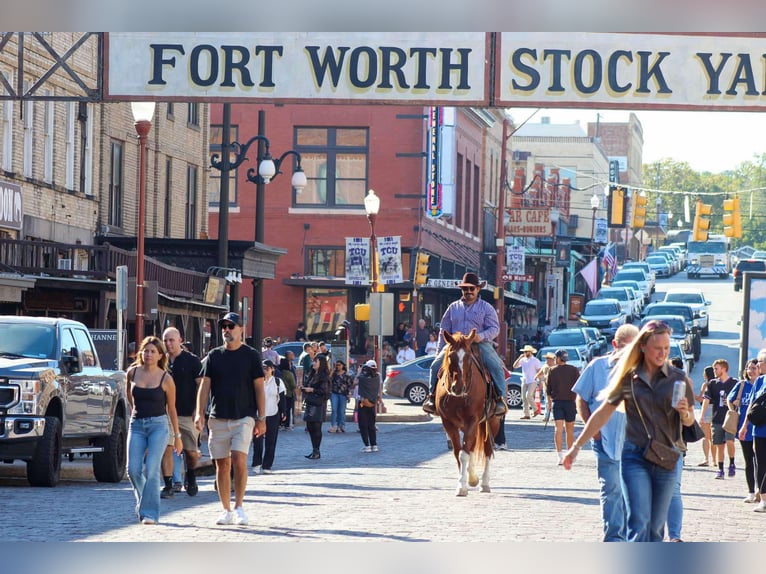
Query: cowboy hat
550	355
529	348
471	280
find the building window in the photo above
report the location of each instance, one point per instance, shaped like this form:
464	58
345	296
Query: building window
457	220
193	117
168	194
191	202
476	201
87	177
170	111
325	311
335	163
29	133
214	180
71	116
115	183
326	262
7	129
50	114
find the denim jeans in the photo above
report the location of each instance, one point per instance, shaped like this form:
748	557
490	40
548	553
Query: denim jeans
648	491
338	416
491	361
611	496
676	509
147	436
178	468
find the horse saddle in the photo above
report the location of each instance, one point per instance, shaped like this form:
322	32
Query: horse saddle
491	394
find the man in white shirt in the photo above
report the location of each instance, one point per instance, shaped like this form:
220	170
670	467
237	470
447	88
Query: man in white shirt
406	353
529	366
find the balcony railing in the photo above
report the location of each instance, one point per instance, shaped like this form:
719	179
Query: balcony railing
46	259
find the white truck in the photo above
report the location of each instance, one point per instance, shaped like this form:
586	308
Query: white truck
709	257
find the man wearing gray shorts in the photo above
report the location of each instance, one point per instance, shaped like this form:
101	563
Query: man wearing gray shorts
715	397
232	377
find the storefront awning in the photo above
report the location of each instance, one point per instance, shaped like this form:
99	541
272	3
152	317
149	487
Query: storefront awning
13	285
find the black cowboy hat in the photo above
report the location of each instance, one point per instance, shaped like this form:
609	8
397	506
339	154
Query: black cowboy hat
471	280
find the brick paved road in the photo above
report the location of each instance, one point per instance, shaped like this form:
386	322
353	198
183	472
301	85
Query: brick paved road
403	493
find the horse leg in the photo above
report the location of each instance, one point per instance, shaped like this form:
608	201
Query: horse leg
453	438
464	461
485	475
470	447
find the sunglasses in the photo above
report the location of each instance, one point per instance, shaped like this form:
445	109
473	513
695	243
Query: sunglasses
227	326
654	325
468	289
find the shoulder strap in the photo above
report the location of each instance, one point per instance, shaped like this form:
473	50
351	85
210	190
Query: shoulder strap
741	388
643	422
163	377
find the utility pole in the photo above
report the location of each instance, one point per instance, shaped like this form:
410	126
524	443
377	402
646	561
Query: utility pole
500	244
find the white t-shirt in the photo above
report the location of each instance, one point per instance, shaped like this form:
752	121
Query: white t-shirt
529	367
272	387
431	347
404	355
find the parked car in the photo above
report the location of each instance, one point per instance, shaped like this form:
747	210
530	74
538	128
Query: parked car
678	254
677	351
605	315
576	357
645	268
696	300
638	297
297	348
751	265
513	393
624	297
758	254
675	265
572	338
602	344
679	309
660	265
639	275
680	332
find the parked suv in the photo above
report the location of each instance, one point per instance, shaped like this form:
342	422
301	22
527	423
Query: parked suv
623	297
680	332
696	300
640	276
604	314
573	338
679	309
747	265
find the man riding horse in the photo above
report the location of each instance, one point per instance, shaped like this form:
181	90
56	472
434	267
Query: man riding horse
471	312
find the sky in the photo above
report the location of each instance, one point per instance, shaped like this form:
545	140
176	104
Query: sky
707	141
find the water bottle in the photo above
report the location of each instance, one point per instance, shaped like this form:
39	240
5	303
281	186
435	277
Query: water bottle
679	392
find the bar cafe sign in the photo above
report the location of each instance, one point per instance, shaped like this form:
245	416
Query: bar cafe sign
698	71
528	223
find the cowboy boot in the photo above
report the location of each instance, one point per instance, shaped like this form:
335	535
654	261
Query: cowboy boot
429	405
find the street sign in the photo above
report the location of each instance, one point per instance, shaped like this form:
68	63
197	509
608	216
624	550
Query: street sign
528	278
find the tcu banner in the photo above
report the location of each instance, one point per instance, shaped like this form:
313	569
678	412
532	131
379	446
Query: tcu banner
390	260
514	260
358	261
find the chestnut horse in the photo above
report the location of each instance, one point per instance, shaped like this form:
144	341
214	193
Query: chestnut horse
463	404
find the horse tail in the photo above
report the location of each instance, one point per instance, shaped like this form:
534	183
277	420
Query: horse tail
483	448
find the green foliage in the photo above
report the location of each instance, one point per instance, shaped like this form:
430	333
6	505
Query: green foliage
677	180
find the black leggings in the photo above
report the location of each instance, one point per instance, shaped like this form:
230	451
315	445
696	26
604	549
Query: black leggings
747	452
315	432
367	426
759	445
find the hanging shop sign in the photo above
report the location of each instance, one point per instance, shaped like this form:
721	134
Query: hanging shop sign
528	223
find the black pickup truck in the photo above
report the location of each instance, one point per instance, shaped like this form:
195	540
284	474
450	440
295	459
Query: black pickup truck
56	400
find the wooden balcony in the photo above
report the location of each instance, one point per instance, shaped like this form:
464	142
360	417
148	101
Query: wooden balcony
99	262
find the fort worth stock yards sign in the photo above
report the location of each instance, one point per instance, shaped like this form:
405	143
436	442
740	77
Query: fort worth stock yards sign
603	70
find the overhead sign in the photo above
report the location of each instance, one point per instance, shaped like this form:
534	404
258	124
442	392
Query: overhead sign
440	167
633	71
528	223
11	205
352	67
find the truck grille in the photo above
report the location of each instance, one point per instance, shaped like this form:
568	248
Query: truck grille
8	395
707	260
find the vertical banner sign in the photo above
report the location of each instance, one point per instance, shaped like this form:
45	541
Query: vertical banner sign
614	171
515	260
440	165
600	235
390	258
358	261
563	250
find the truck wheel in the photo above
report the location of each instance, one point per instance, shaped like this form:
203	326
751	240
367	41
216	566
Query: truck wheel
45	467
706	330
109	466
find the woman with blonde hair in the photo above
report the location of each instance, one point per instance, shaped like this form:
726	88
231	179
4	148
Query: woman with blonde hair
152	400
643	382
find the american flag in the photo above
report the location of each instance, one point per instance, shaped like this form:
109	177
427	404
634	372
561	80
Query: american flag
610	260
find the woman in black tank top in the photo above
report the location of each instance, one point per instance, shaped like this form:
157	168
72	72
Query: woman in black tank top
152	398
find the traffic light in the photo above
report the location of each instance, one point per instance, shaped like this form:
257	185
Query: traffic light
638	219
421	269
732	224
701	221
616	207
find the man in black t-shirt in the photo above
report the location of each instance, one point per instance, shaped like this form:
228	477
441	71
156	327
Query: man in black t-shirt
185	368
715	397
232	376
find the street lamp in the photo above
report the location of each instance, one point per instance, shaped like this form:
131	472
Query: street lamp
554	217
594	204
143	112
658	203
371	208
267	169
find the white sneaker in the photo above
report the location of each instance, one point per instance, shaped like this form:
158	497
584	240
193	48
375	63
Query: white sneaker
146	520
267	471
367	449
375	448
257	469
761	507
240	518
561	457
750	498
227	517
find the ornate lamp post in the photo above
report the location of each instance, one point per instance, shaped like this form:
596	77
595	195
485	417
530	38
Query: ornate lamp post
371	208
143	112
594	204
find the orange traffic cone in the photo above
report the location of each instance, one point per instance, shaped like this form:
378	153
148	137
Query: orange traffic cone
538	405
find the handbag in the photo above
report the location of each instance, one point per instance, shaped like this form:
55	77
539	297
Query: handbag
655	452
312	413
756	412
731	421
366	403
692	433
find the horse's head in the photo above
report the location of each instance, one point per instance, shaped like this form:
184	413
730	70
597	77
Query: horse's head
455	356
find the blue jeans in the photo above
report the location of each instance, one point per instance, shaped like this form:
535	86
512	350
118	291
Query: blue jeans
338	416
491	361
611	496
648	491
676	510
148	436
178	468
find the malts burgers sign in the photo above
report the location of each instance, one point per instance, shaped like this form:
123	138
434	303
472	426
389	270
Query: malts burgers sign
529	223
604	70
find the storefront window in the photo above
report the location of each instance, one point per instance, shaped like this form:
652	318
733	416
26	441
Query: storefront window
325	310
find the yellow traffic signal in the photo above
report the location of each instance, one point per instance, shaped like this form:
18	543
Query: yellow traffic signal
732	224
701	221
616	206
638	219
421	269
